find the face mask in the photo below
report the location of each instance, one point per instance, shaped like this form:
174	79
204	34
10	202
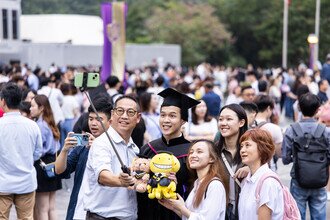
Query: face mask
317	79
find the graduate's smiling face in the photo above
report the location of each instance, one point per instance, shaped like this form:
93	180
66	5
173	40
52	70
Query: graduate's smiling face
170	122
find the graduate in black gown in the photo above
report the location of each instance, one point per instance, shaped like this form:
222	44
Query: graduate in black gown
173	114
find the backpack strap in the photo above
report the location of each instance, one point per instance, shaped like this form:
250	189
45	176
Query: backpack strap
317	133
319	130
297	129
259	125
261	181
214	178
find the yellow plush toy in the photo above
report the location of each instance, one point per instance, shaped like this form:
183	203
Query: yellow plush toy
159	185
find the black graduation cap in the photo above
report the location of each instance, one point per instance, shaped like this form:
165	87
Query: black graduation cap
175	98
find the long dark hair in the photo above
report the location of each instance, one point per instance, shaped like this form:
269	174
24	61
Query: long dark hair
297	83
47	114
194	117
145	99
240	112
217	170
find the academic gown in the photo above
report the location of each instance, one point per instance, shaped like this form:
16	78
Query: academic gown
150	208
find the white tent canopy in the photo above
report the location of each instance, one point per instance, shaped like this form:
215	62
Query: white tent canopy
76	29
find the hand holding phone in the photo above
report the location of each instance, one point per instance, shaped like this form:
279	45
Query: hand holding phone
69	142
82	139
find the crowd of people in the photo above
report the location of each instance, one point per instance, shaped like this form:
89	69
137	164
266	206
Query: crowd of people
223	125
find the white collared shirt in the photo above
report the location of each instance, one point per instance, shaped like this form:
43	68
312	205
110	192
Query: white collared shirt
20	146
213	205
108	201
271	194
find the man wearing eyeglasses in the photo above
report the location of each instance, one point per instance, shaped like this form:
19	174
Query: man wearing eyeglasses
248	93
107	195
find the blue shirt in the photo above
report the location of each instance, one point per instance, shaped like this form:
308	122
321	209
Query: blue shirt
20	146
76	162
323	96
49	144
33	82
325	73
213	102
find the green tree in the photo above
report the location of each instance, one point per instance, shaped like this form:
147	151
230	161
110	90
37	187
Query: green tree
302	23
85	7
193	26
138	12
43	7
256	27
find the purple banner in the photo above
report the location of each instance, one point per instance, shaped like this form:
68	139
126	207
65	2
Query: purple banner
125	83
106	13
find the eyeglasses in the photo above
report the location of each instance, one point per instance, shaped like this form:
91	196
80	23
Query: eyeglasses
249	94
120	111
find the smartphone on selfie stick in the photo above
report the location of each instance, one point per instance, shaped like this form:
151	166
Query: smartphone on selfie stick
84	81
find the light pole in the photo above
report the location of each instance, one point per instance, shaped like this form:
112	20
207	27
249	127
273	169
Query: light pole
285	34
317	27
312	39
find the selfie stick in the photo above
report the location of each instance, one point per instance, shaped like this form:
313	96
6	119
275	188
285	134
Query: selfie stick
83	89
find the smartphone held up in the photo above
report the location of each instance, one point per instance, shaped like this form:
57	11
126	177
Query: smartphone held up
86	80
82	139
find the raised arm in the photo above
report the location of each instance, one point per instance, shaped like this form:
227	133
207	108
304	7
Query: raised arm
61	161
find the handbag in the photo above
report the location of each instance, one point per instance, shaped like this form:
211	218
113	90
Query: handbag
49	169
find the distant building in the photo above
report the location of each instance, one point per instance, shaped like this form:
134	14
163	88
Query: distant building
10	43
66	40
59	28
